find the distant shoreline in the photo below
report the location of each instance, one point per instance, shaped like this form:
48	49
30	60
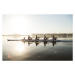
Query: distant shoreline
64	35
37	34
16	35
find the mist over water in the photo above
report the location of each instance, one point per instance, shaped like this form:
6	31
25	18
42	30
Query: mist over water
17	50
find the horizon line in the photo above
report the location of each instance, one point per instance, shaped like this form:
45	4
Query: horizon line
37	33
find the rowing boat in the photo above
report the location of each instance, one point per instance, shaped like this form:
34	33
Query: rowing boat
26	40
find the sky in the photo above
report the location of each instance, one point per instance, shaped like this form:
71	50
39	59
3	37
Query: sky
37	23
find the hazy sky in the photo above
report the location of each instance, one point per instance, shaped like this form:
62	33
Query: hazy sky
40	23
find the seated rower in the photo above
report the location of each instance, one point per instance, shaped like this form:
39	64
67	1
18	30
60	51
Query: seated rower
45	38
54	38
24	38
29	38
37	38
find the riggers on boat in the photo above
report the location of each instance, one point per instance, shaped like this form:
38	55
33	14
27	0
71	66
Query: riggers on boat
46	39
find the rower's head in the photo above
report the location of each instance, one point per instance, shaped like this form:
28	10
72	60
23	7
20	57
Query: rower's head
53	36
28	35
44	36
36	35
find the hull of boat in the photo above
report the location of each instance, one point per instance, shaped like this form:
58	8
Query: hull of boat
41	40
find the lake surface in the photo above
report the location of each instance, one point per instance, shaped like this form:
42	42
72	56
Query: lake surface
24	51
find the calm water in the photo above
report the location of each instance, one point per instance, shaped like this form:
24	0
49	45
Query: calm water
17	50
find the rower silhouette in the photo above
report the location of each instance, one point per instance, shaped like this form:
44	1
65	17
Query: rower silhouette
37	38
54	38
24	38
46	38
29	38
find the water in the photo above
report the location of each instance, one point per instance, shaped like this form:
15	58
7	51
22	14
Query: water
17	50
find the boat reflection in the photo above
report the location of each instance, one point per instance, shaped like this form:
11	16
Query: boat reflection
29	43
45	43
53	43
21	49
37	43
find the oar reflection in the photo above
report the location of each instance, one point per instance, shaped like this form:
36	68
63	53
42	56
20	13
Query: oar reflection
37	43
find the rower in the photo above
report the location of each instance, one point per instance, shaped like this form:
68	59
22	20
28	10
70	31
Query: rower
29	38
46	38
24	38
37	38
54	38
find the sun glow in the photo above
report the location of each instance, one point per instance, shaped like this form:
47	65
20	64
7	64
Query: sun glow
20	47
20	25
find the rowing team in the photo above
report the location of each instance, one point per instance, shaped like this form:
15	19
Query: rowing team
45	38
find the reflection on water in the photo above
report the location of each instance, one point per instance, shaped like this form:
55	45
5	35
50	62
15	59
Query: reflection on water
37	43
17	50
20	47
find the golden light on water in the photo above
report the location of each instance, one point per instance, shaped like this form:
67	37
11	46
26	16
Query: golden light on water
20	47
